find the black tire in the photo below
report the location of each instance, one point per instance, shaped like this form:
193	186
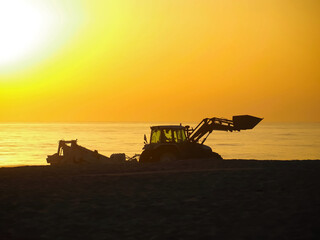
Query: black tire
216	156
145	157
167	157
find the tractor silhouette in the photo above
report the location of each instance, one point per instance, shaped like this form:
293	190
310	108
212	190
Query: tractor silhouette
172	142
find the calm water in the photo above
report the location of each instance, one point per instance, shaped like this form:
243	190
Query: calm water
29	144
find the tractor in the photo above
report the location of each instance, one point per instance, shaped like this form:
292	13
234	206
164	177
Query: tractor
173	142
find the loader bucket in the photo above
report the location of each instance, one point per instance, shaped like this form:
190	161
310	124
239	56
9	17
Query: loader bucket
243	122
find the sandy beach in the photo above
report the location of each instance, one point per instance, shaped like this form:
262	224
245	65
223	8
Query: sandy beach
230	199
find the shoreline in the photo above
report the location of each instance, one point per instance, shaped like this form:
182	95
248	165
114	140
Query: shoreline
265	160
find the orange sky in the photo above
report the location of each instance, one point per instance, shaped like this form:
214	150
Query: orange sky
159	60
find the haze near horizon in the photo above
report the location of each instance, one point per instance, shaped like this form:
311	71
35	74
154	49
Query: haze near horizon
159	60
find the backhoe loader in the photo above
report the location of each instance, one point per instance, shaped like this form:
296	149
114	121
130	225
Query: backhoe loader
172	142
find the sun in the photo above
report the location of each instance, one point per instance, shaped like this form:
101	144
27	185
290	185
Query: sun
24	27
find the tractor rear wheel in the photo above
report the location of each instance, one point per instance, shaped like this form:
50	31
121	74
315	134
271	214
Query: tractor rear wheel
168	157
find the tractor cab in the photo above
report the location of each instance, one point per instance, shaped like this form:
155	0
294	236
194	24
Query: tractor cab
171	142
168	134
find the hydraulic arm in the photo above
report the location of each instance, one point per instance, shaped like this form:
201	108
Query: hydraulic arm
207	125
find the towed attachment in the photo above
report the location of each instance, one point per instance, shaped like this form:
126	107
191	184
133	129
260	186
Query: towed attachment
69	152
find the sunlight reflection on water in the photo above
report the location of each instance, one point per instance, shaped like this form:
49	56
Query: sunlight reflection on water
29	144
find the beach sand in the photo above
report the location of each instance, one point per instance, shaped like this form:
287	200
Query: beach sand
230	199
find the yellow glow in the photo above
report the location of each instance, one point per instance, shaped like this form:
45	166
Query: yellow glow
29	29
159	60
23	28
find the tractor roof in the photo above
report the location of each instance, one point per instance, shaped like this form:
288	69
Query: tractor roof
167	127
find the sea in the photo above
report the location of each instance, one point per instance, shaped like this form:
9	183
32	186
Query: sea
29	143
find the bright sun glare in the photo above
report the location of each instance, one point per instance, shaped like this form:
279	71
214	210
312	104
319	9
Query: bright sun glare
24	27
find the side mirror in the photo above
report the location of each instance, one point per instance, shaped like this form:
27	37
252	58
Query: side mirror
145	139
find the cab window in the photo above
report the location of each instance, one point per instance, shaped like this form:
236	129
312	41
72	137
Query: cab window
167	135
179	136
155	136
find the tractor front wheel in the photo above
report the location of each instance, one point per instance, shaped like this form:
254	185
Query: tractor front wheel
216	156
145	157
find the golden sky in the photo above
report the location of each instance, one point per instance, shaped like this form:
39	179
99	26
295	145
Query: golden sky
159	60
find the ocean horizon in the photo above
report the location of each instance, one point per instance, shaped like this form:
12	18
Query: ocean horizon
30	143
